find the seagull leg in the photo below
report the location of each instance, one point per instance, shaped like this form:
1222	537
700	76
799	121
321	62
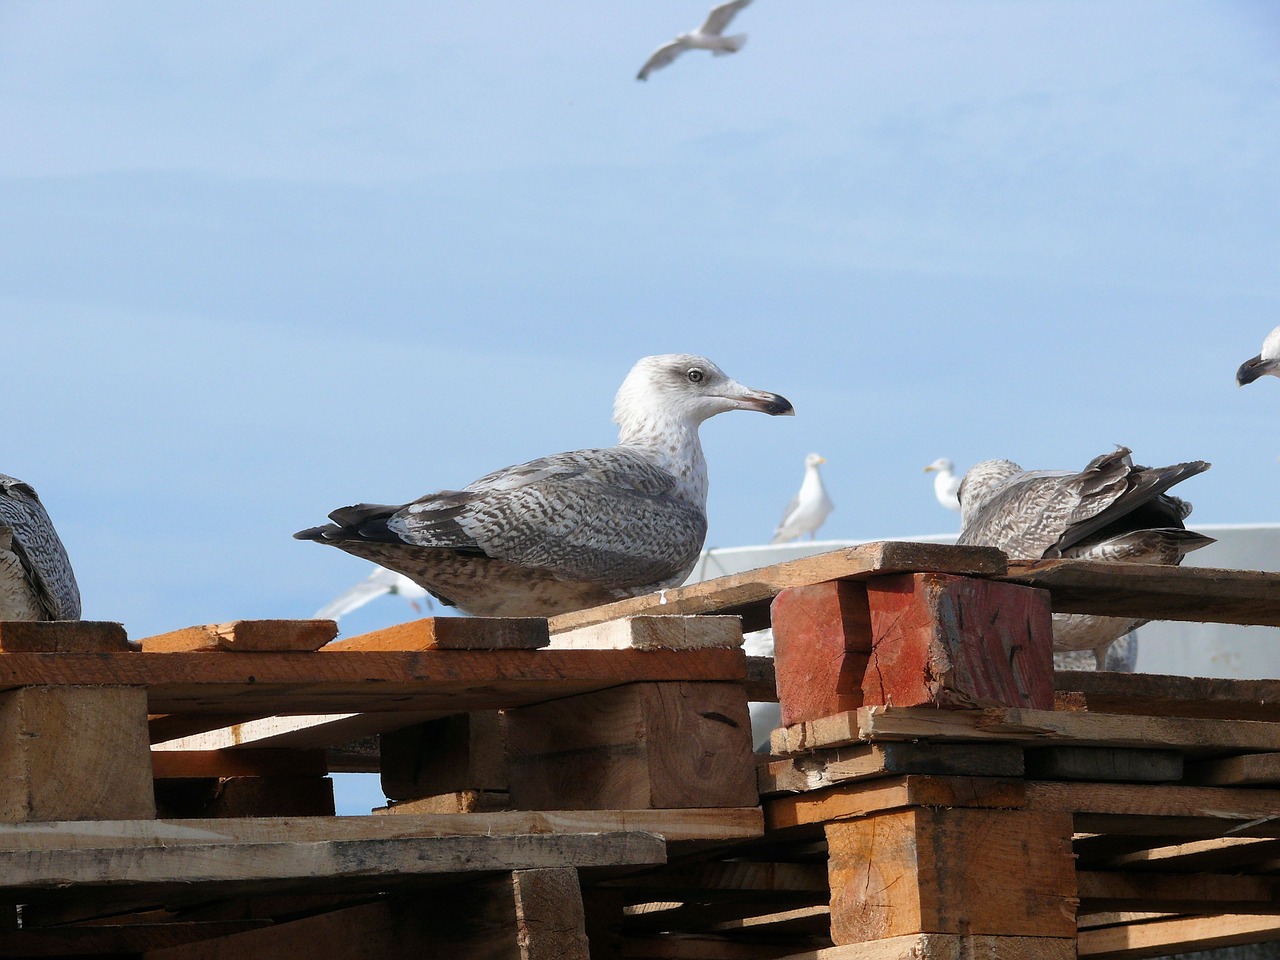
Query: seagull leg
1100	656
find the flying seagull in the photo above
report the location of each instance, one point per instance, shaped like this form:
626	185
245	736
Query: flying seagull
378	583
1267	363
809	508
946	484
1111	511
36	580
571	530
706	37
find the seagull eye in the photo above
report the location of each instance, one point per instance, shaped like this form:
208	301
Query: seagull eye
695	375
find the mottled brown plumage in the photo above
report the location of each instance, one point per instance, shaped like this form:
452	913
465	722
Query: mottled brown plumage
36	579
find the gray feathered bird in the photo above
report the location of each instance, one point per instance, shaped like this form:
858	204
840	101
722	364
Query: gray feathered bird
706	37
36	579
1266	363
1111	511
571	530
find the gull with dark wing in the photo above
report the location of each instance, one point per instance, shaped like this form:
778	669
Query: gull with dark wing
1111	511
808	509
946	484
1265	364
36	579
571	530
706	37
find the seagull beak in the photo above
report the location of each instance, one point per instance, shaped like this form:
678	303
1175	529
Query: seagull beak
770	403
820	459
930	468
1253	368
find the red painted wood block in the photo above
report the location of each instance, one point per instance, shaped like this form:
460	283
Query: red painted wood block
821	640
956	642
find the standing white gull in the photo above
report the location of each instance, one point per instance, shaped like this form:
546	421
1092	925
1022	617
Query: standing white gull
706	37
1266	363
809	508
571	530
378	583
36	579
946	485
1111	511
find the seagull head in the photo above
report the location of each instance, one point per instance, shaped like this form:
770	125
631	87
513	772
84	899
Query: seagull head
680	388
1266	363
981	482
814	460
939	465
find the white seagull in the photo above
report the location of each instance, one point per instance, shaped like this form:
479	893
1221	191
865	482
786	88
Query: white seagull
574	529
1265	364
378	583
946	485
809	508
36	579
706	37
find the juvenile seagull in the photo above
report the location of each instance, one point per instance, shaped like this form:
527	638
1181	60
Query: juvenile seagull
809	508
378	583
946	485
1111	510
1267	363
571	530
706	37
36	580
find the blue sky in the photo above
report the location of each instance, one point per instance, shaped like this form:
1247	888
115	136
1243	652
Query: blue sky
260	261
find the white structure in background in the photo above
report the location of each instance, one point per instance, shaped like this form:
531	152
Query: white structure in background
1167	646
379	583
946	485
808	509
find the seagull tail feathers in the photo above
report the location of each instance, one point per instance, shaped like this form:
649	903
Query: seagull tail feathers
731	44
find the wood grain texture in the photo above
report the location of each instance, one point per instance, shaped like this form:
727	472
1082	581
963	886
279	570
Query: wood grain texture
1161	937
465	751
459	801
62	636
748	594
173	764
1250	769
254	796
825	768
951	642
452	633
654	633
857	800
895	873
822	639
1176	892
1105	763
246	636
1169	696
942	946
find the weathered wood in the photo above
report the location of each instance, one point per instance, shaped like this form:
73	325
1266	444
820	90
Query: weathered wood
1157	938
461	752
460	801
1224	804
654	633
74	753
234	733
944	946
452	633
1104	763
748	594
1246	770
62	636
895	873
822	639
825	768
734	880
948	641
1176	892
669	745
762	683
172	764
1219	853
257	796
1154	592
874	796
122	938
246	636
1158	695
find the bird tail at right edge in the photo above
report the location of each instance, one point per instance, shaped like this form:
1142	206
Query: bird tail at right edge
731	44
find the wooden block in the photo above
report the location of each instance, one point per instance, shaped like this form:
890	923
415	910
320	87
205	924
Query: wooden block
641	745
462	752
822	638
826	768
997	872
175	764
1156	695
654	633
1159	938
62	636
1250	769
452	633
74	753
246	636
461	801
1104	763
944	946
958	642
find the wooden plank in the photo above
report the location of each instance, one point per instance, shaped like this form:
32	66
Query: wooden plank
682	825
459	801
762	684
727	880
466	751
1224	804
246	636
1158	695
874	796
822	641
246	797
62	636
1104	763
452	633
172	764
1248	769
693	947
943	946
205	732
947	641
748	594
825	768
121	938
654	633
1158	938
667	745
1176	892
1220	853
1154	592
74	753
894	874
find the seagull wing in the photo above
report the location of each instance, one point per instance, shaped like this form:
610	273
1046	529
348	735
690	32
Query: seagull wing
721	16
368	589
781	534
36	543
661	57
